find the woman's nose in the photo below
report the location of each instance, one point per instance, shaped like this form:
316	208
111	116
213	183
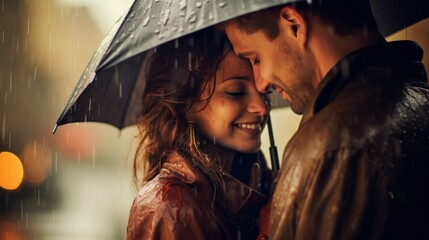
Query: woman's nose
259	104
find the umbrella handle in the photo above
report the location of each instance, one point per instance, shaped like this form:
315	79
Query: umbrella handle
273	149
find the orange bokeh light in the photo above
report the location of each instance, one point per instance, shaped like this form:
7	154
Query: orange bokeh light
11	171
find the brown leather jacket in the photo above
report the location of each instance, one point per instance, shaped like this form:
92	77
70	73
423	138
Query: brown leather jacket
358	166
181	203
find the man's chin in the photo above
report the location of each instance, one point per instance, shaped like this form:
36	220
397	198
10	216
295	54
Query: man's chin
296	109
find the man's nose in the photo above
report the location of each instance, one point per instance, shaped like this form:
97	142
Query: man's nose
261	84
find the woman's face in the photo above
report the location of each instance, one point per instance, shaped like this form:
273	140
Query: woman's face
237	112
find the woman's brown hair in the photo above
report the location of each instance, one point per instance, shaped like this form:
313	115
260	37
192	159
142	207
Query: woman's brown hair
177	75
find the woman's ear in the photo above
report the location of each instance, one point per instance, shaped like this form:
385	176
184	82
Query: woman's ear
294	24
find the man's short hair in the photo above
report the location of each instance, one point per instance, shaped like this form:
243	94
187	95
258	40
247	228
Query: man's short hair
345	16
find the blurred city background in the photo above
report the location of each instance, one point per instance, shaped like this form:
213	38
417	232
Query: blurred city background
75	184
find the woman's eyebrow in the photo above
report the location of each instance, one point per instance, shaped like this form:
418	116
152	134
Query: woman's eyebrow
245	54
236	77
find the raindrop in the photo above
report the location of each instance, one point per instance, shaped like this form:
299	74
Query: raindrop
190	61
146	20
157	31
182	4
120	90
10	82
198	4
222	4
210	16
56	162
38	197
2	37
3	128
5	98
192	18
93	157
164	20
35	74
176	64
22	209
176	43
391	195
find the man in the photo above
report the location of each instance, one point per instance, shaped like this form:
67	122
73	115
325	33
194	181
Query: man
358	166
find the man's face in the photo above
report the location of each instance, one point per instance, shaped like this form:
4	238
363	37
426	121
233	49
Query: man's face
277	64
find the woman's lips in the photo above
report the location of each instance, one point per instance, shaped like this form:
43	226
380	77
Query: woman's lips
250	128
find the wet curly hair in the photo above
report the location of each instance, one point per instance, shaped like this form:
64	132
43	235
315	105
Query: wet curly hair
177	74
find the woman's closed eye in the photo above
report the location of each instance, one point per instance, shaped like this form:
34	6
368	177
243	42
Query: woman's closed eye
235	93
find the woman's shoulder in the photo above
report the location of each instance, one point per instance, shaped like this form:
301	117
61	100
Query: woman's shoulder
163	191
166	202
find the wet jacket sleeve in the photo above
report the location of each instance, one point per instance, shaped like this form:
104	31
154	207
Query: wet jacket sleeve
339	194
171	213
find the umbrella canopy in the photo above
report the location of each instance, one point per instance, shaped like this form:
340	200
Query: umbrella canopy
107	90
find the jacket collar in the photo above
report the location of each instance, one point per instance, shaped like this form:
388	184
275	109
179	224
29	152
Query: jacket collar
390	54
238	200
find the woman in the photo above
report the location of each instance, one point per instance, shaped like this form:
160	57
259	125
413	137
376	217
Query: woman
198	161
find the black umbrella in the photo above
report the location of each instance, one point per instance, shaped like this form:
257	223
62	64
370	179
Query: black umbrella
108	91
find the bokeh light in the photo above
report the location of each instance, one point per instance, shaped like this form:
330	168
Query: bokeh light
36	162
11	171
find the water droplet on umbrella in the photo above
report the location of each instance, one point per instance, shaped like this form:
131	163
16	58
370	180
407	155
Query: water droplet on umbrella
222	4
182	4
192	18
210	16
157	31
198	4
146	20
164	20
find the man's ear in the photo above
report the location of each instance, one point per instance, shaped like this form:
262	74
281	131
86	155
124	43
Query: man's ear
294	24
